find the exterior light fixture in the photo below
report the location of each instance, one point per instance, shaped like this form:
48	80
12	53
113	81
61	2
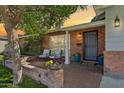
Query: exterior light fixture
79	35
117	22
79	39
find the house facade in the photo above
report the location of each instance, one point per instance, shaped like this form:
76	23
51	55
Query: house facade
77	41
114	41
93	39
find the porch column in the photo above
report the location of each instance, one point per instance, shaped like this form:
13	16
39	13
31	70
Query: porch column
67	59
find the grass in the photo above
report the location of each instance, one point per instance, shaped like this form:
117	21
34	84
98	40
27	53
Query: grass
6	79
29	83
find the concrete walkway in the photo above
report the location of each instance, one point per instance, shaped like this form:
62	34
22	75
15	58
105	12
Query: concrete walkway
112	81
82	75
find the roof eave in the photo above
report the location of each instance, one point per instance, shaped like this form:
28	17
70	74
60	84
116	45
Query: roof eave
83	26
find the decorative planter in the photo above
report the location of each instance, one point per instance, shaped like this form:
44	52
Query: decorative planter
52	77
100	60
76	57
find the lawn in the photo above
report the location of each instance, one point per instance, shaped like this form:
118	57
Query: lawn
6	79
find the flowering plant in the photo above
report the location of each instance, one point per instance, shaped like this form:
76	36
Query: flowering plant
49	63
53	65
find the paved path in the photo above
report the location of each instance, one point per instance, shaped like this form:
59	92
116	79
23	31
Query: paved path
82	76
112	81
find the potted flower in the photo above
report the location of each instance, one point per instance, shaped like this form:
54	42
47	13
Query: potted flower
53	65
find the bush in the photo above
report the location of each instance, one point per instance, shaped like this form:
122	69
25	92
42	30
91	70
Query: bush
31	49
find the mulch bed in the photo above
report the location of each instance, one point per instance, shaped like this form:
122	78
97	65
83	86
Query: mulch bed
37	59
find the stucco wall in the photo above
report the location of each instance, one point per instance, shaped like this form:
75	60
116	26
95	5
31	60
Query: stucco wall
2	45
114	36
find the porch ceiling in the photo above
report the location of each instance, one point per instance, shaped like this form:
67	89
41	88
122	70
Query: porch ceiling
83	26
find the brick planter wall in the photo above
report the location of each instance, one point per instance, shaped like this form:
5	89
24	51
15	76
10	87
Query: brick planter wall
114	62
51	78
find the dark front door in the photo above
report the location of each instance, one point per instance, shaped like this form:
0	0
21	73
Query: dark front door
90	45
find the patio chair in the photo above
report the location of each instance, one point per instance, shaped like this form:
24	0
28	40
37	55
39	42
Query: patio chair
57	54
45	54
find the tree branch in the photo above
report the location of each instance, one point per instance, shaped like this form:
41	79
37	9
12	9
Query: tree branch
19	13
6	17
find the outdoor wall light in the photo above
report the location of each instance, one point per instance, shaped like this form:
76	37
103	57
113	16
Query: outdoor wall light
79	34
79	39
117	22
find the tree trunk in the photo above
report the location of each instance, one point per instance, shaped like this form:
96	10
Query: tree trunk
15	54
10	22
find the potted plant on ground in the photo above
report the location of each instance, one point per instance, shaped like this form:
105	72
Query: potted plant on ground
100	59
76	57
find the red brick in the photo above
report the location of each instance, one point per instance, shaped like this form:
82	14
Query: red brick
114	62
101	40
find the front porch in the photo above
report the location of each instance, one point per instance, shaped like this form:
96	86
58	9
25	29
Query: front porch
74	75
85	75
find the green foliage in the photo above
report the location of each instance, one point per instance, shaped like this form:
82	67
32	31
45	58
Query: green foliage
1	58
32	49
39	21
5	75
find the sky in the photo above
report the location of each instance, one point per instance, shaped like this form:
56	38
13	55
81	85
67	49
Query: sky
3	32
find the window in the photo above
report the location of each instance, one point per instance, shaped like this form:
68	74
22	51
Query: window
57	42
